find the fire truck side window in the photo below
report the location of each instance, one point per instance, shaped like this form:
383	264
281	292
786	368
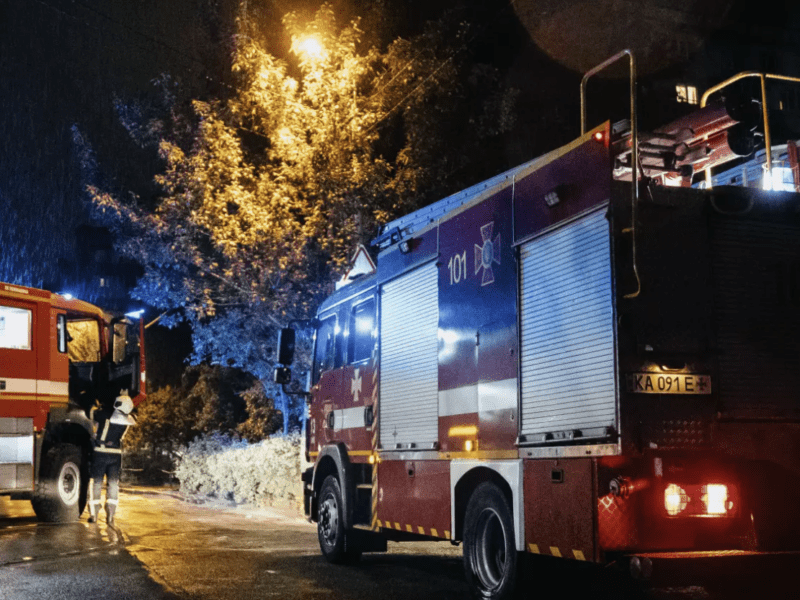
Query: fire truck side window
15	328
325	351
61	332
84	341
361	332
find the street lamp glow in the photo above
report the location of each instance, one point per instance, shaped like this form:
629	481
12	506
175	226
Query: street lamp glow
310	48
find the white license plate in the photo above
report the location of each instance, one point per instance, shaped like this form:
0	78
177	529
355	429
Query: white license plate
673	383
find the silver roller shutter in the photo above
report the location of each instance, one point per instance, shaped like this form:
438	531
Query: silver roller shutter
409	368
567	328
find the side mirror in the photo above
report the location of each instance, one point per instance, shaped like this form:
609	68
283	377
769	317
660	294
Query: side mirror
285	347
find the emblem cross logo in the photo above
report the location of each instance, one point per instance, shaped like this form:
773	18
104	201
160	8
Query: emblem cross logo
355	386
487	253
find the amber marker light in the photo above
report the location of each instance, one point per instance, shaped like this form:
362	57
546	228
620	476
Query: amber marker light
599	136
462	431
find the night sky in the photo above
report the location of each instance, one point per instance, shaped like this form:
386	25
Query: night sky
63	62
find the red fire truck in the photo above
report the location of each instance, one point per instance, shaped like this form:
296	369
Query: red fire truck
556	362
58	356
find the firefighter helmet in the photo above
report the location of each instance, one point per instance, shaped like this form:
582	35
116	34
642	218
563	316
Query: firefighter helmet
123	404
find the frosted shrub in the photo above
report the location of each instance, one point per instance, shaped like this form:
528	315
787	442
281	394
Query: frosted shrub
267	472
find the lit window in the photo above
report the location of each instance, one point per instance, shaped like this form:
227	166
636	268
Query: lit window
686	94
15	328
779	180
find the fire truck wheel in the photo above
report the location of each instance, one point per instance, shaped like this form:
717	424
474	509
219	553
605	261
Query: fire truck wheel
61	485
336	545
490	555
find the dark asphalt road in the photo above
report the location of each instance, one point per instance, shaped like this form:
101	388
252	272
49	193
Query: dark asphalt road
167	549
172	550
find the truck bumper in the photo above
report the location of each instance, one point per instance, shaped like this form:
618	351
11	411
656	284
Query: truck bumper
677	569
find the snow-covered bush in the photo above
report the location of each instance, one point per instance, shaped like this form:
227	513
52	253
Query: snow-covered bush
267	472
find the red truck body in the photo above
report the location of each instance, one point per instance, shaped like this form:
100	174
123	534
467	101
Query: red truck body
58	356
546	364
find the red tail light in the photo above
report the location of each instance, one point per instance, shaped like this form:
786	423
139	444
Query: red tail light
700	500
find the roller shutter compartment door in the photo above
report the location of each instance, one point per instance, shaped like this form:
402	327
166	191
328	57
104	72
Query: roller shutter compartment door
568	385
409	368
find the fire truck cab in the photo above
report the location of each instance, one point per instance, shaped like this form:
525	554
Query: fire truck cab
58	357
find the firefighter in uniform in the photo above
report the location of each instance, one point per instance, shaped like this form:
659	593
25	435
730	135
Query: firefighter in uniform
110	425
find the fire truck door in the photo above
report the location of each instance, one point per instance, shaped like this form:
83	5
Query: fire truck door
327	371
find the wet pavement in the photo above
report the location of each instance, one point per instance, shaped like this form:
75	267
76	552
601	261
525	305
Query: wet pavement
167	549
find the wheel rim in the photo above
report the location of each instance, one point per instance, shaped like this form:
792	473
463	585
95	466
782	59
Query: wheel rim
329	520
69	483
490	549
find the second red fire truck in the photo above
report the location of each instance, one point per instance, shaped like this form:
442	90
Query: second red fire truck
555	362
58	356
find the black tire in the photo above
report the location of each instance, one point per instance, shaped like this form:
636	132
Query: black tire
334	541
60	492
490	554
